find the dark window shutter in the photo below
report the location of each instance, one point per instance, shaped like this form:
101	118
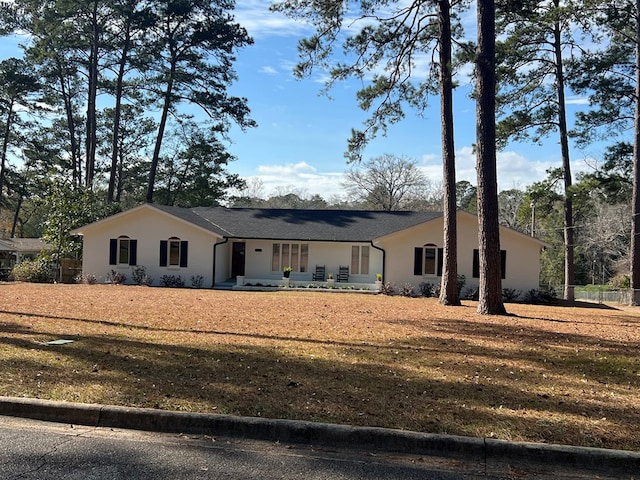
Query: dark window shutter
184	250
476	263
113	251
163	253
133	252
440	255
417	261
503	262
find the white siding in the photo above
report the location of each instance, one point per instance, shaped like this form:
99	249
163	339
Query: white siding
522	257
148	226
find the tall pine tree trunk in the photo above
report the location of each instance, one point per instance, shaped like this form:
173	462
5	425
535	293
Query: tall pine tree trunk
449	294
65	93
490	289
113	171
569	271
92	70
5	147
635	229
16	215
120	181
161	128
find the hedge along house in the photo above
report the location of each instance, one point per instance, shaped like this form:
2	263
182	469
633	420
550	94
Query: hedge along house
221	244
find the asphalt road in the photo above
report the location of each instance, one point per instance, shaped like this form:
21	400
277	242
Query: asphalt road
31	449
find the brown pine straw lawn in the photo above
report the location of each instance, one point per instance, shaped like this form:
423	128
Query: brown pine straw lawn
568	375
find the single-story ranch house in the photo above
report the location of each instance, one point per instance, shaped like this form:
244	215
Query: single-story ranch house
254	245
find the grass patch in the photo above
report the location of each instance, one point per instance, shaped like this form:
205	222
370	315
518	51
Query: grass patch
556	374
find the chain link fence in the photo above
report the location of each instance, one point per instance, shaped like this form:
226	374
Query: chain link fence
604	294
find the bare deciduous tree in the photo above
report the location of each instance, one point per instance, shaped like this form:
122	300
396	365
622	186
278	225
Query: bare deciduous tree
605	240
509	202
387	182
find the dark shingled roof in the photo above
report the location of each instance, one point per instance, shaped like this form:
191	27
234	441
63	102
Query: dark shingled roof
22	245
292	224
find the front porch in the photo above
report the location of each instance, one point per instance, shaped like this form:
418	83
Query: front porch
270	284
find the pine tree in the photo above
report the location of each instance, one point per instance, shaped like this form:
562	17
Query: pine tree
388	40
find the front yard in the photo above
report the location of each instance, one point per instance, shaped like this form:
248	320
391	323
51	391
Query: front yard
567	375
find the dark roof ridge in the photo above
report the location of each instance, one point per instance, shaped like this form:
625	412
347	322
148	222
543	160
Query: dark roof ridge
344	210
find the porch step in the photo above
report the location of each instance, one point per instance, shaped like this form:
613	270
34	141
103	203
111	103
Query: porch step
228	285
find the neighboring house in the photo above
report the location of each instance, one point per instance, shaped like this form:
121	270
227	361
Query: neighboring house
221	244
13	250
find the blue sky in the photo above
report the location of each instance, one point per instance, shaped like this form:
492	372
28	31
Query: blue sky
301	137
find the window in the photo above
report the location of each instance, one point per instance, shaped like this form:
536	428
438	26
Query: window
123	251
304	257
360	260
428	260
173	252
294	255
476	263
275	258
286	262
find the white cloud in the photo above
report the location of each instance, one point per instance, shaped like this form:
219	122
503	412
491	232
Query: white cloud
255	16
514	169
298	177
466	165
433	173
268	70
577	100
429	158
287	169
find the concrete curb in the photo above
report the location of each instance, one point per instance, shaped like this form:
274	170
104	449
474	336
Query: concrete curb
477	450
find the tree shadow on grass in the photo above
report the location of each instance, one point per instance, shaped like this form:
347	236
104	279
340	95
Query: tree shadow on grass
11	327
582	304
605	362
421	384
526	333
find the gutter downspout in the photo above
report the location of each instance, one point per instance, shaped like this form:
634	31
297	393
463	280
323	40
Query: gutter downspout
384	257
215	247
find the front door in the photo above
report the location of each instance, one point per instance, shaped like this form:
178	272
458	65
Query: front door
237	259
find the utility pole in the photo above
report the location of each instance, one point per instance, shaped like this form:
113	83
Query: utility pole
533	218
